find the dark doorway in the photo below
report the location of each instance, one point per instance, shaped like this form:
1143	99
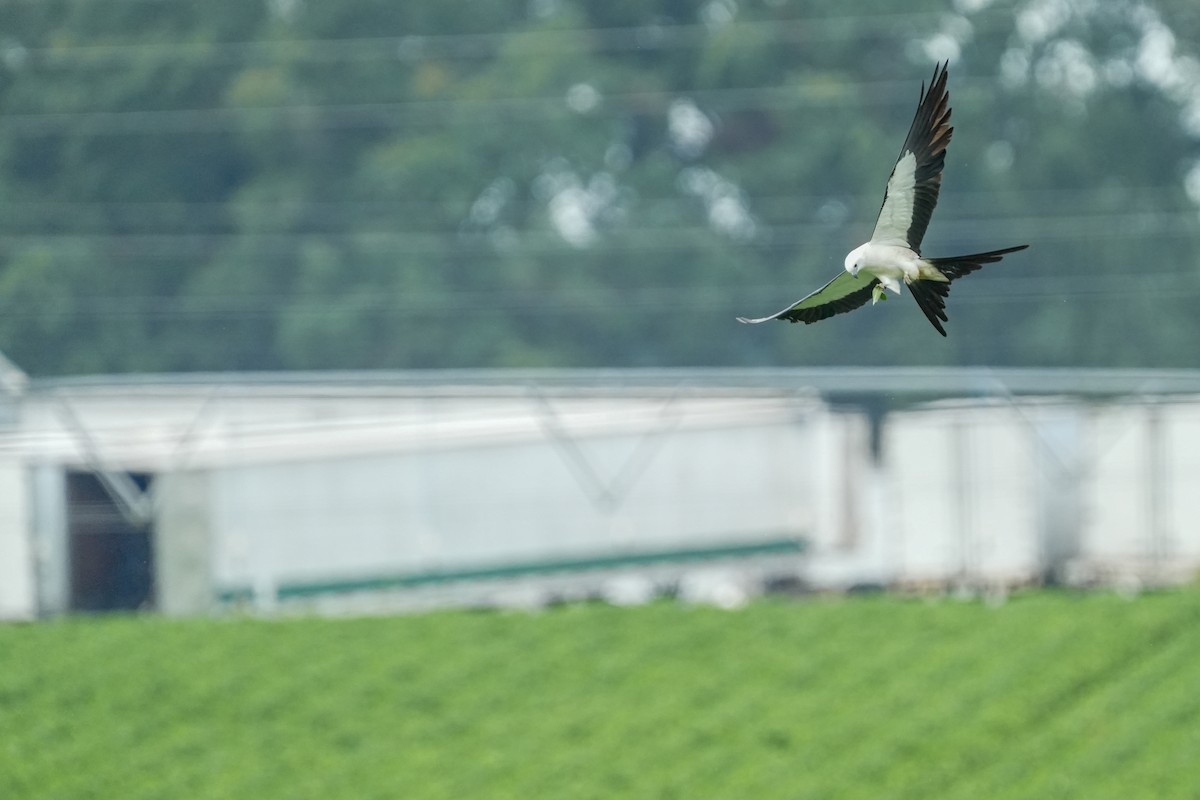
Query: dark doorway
112	560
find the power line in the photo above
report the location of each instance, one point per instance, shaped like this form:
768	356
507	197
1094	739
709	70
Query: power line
1038	202
416	47
1049	227
540	41
634	302
434	112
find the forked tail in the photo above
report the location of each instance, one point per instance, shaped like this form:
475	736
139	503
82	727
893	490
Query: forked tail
931	295
957	266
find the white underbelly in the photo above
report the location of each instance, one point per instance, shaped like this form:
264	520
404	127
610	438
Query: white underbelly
891	264
895	262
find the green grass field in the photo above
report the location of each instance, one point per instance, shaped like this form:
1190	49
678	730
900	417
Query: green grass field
1047	696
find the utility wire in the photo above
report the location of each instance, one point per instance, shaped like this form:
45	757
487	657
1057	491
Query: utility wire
540	41
417	113
998	285
202	214
420	309
1052	227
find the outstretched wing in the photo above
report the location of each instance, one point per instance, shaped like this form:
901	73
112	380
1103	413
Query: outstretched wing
912	190
844	293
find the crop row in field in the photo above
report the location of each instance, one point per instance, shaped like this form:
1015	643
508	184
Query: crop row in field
1047	695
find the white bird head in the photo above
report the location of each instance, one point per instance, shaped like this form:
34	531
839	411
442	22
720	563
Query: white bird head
854	260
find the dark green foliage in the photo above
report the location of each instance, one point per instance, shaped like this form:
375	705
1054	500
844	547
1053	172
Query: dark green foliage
1048	695
369	184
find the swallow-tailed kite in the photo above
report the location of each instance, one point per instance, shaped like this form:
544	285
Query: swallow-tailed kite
894	252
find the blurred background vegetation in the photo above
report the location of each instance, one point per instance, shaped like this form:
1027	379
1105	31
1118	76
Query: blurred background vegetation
443	183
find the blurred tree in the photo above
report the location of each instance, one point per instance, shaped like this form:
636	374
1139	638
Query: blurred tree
370	184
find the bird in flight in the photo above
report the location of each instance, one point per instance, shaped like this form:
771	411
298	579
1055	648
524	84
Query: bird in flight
894	253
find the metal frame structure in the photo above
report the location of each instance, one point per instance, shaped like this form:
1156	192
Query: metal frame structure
65	428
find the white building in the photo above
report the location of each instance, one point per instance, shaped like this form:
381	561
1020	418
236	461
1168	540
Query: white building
362	491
